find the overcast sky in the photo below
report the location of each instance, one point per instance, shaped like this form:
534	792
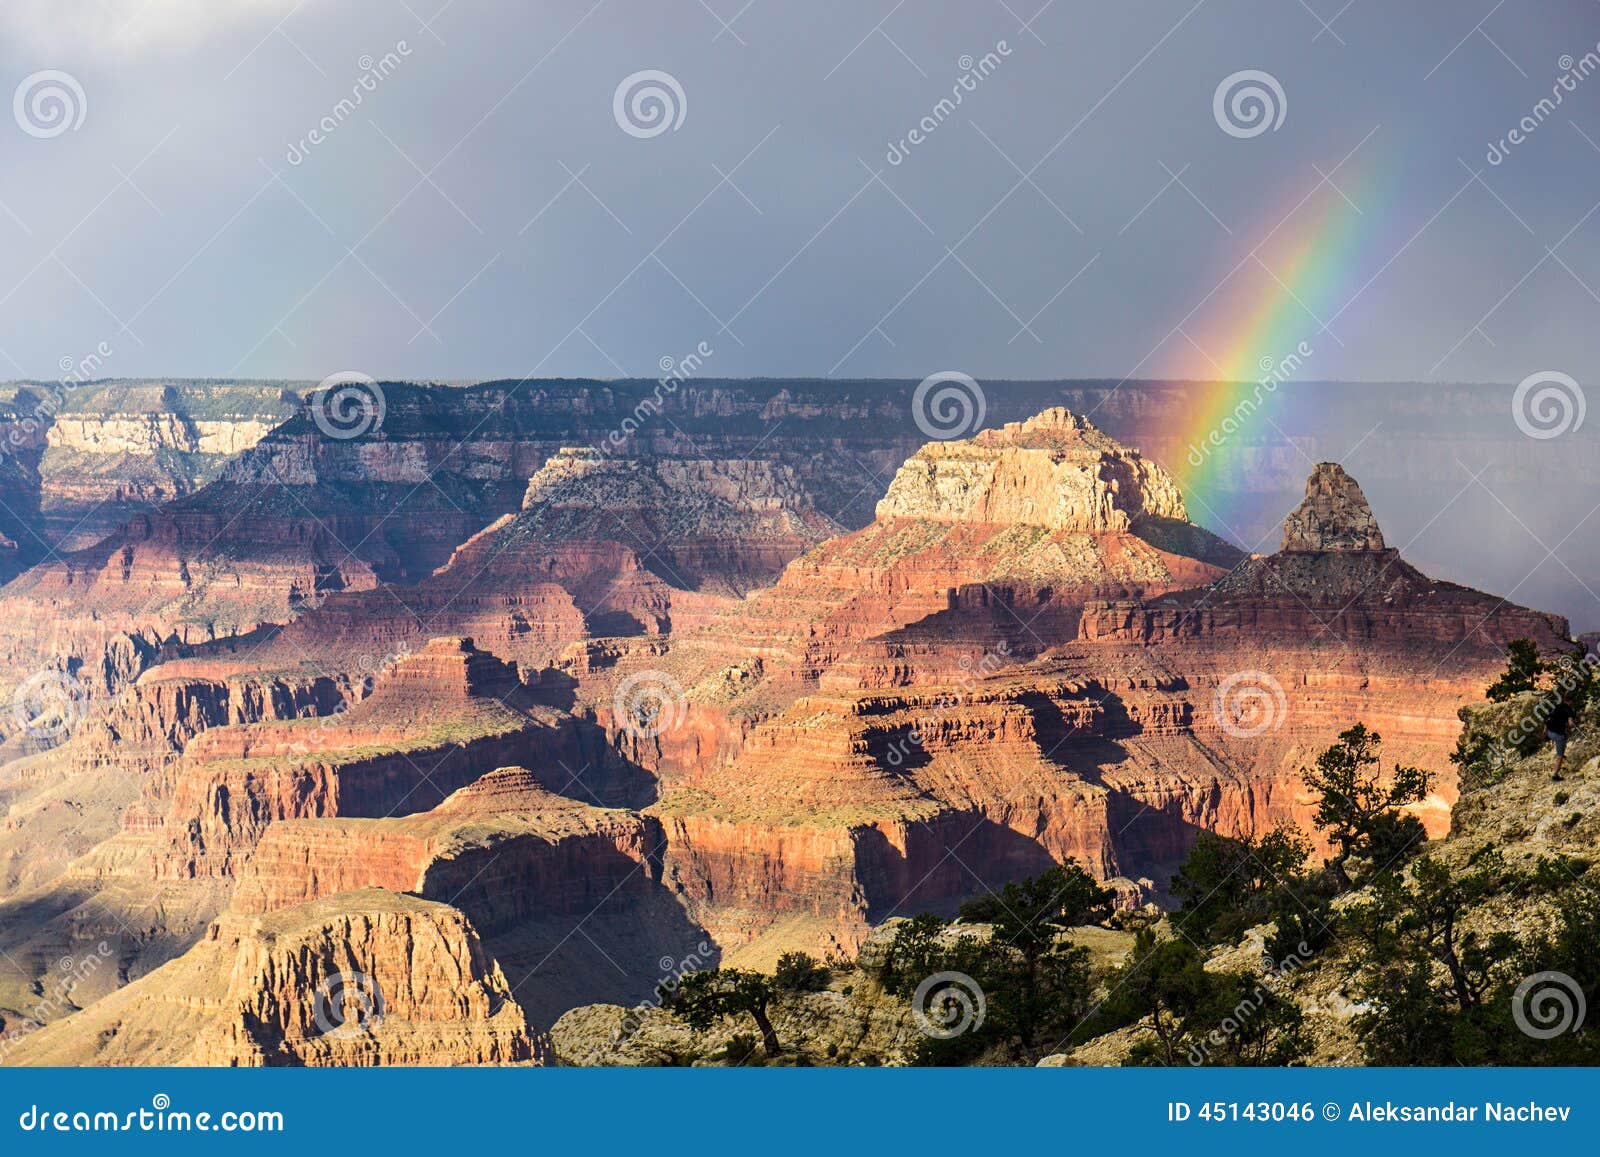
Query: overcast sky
1082	212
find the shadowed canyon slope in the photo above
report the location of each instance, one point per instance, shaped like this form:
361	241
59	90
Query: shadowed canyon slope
668	698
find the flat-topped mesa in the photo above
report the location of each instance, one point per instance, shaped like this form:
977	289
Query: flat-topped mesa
450	668
1056	470
438	720
973	539
506	789
1335	515
709	525
549	854
582	479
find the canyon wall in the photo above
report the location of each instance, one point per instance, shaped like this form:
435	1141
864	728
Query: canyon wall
1029	653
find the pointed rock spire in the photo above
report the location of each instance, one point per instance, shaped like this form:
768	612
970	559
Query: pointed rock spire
1335	515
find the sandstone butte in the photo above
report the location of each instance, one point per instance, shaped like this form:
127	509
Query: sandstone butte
1029	653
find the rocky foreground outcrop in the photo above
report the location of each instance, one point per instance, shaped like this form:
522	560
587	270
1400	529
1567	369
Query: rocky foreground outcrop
1508	806
367	978
854	1020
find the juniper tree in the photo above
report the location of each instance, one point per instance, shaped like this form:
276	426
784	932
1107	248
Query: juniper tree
1358	810
703	998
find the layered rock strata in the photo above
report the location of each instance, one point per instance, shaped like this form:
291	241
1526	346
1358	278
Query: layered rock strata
366	978
1029	655
835	780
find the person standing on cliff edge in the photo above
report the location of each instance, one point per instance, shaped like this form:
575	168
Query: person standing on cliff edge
1557	725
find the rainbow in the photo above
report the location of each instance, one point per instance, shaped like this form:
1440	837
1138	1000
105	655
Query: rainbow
1262	327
